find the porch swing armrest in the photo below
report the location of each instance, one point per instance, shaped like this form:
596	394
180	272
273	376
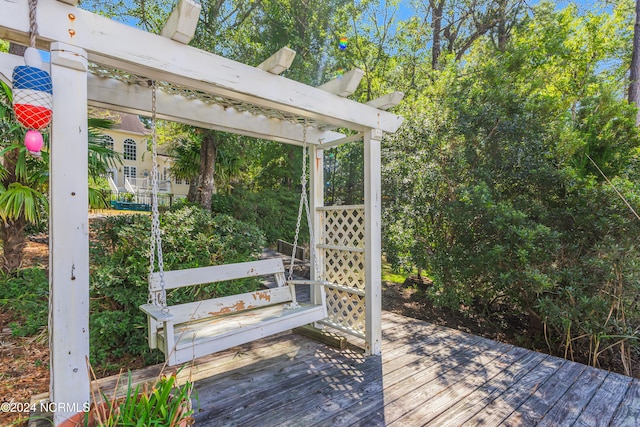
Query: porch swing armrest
308	282
156	313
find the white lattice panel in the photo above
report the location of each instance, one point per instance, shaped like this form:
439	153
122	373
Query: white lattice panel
344	267
342	244
346	309
344	227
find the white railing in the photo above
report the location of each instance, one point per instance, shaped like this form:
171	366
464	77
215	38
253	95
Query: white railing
137	185
141	183
130	188
112	184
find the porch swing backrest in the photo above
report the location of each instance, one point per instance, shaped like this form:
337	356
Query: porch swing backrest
194	311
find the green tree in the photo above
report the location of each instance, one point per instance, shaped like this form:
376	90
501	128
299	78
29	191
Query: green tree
634	74
501	203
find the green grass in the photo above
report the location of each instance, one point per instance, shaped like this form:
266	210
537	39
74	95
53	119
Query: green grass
389	276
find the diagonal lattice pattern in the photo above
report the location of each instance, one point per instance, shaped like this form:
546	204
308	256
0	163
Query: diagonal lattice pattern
344	227
346	309
344	267
344	264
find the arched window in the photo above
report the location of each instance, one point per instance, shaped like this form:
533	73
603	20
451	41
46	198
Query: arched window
108	142
129	149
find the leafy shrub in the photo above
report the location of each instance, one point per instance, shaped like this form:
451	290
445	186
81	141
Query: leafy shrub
274	211
492	188
26	293
120	257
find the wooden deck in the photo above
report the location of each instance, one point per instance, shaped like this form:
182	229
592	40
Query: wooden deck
428	375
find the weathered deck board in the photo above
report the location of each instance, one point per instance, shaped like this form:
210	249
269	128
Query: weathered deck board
628	412
442	395
400	368
502	407
600	408
312	384
460	412
536	406
568	408
427	375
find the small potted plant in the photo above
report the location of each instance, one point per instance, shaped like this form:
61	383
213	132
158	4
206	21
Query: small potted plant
162	403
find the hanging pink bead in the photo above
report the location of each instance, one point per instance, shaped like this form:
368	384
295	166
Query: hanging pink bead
33	141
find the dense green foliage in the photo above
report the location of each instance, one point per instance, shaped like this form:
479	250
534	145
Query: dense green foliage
274	212
26	293
494	188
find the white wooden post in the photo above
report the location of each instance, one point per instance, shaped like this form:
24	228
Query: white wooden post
373	240
69	234
316	199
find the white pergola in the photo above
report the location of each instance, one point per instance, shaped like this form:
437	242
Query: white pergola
99	62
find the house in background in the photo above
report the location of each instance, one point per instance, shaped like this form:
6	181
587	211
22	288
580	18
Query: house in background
131	139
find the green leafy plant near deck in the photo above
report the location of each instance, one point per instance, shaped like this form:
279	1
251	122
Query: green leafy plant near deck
163	403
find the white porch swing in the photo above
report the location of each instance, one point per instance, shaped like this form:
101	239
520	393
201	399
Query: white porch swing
189	330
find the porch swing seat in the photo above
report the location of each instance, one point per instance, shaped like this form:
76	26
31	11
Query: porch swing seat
190	330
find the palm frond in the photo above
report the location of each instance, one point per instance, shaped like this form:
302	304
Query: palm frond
97	200
101	157
19	200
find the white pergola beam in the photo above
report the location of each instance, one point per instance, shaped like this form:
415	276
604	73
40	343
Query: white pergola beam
181	25
330	144
279	61
387	101
344	85
122	47
316	200
135	99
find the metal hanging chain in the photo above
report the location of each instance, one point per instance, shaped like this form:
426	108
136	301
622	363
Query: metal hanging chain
33	24
304	203
156	236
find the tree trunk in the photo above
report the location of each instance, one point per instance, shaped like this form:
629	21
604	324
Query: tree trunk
12	231
436	24
192	195
634	75
206	180
14	242
503	32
